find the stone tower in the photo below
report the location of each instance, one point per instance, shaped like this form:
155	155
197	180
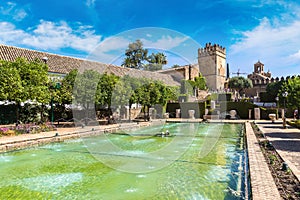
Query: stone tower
259	69
259	78
212	65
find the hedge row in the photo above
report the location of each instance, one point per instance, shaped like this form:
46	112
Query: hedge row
243	108
8	114
184	107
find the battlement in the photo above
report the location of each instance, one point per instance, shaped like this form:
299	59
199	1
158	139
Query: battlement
272	80
209	48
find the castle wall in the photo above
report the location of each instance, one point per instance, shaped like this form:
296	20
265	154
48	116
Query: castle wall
260	85
187	72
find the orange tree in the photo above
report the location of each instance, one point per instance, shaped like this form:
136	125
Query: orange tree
239	83
292	87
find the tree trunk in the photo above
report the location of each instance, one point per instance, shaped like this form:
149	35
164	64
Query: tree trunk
17	113
129	117
144	112
148	117
86	113
42	113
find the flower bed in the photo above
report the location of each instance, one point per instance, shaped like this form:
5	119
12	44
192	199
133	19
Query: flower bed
286	182
26	129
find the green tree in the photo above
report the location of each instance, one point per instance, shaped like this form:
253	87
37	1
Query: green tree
123	92
292	87
156	62
272	90
62	93
239	83
65	93
31	82
35	81
175	66
186	87
147	95
172	93
85	87
198	83
10	82
105	89
136	55
153	93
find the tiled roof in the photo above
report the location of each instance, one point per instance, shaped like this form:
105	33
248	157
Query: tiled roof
64	64
56	63
178	68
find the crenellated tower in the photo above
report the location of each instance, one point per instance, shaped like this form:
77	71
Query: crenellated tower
212	65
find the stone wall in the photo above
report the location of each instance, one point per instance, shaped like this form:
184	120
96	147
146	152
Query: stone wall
187	72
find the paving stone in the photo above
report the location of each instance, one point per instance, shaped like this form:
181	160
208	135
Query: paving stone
286	142
262	182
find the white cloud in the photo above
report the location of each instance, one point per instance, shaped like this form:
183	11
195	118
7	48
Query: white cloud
109	49
165	42
265	36
57	35
273	44
11	9
296	56
49	35
19	15
9	33
113	43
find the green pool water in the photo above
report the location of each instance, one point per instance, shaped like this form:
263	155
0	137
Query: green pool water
199	161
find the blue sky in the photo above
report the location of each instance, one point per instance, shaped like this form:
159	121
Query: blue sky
263	30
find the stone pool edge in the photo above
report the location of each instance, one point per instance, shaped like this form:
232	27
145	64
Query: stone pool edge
262	182
57	136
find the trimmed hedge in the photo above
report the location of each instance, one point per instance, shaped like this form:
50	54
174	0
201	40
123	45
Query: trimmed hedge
242	108
264	113
224	97
184	107
8	114
265	97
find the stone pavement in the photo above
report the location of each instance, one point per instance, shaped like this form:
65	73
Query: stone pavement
286	142
262	182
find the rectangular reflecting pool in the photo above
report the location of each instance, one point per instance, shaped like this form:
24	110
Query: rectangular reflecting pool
193	161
